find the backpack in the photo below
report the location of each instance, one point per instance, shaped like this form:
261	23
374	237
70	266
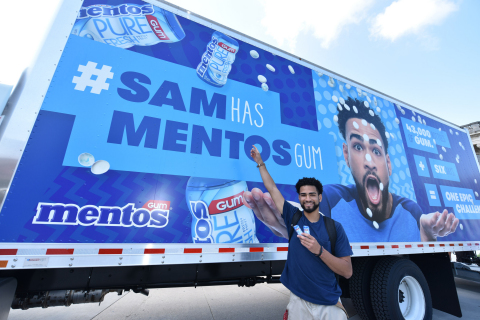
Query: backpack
329	225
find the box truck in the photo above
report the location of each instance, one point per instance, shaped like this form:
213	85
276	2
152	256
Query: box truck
124	156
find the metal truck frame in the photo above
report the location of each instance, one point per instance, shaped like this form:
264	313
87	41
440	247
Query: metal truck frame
66	273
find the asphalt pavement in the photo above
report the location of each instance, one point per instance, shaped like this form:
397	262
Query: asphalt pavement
263	301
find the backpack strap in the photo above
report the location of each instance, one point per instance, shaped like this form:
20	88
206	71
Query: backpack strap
332	232
295	219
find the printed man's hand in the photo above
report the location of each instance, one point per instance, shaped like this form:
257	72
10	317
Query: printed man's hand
437	224
310	243
266	211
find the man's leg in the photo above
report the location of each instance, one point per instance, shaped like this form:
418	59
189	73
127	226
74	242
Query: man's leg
329	313
298	309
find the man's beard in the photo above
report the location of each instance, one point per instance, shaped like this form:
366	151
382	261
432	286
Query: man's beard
315	206
378	210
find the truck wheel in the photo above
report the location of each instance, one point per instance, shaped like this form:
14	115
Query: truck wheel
359	285
399	290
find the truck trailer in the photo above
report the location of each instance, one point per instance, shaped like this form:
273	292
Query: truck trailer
125	158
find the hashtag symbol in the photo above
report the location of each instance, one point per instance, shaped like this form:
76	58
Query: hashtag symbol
85	80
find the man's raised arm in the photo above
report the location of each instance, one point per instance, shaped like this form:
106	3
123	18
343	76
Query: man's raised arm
277	197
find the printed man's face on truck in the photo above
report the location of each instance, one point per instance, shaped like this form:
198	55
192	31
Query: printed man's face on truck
365	155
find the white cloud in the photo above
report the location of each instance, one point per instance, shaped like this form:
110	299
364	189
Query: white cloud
410	16
285	19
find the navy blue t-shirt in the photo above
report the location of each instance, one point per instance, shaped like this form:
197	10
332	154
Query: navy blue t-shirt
342	204
306	275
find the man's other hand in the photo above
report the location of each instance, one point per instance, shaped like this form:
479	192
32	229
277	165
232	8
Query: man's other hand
266	211
310	243
437	224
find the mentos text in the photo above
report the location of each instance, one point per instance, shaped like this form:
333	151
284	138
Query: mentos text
202	140
89	215
207	56
111	11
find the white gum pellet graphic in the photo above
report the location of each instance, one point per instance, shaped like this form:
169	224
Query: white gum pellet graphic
366	104
355	125
334	99
371	112
364	122
375	224
381	186
270	67
355	109
379	142
262	79
254	54
372	126
86	159
366	138
100	167
264	87
292	71
369	212
368	157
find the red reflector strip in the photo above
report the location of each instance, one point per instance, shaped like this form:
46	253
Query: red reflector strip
3	263
154	251
395	246
364	247
380	247
223	250
477	244
420	245
59	251
282	248
452	244
110	251
408	246
256	249
431	245
442	244
460	244
8	252
469	244
192	250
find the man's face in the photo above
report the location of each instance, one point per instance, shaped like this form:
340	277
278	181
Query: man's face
309	198
365	154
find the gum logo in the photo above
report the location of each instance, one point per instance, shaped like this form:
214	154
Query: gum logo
226	47
157	28
157	204
226	204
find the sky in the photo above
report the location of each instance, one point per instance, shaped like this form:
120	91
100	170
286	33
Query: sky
422	52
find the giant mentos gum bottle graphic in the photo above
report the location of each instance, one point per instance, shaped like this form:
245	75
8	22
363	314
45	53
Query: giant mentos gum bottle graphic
218	213
127	25
218	59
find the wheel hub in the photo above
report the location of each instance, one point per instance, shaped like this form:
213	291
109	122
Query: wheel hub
411	299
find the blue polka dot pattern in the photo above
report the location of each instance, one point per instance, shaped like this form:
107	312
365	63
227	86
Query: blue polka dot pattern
296	90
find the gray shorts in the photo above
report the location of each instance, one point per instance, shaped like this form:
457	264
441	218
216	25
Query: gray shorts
299	309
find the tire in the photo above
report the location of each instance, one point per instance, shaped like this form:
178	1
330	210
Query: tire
399	291
359	285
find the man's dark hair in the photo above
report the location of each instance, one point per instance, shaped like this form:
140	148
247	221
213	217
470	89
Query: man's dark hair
362	113
309	182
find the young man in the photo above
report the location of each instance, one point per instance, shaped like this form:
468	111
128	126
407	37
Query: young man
310	268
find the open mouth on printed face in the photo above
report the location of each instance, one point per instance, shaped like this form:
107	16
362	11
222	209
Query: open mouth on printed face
373	189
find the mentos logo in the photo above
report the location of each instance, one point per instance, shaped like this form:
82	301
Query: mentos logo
203	225
226	204
155	215
111	11
207	56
